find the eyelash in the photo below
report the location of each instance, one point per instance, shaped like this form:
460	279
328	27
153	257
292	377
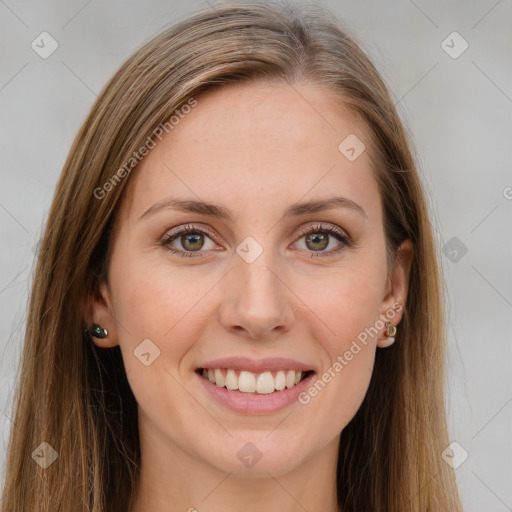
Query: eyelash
189	229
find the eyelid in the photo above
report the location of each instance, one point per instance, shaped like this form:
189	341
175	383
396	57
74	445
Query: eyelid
167	238
303	231
331	229
183	228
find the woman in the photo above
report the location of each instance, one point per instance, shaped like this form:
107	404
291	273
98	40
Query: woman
237	301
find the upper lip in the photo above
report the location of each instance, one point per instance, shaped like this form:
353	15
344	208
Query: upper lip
257	365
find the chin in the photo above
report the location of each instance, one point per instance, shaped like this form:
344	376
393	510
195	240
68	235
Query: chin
259	458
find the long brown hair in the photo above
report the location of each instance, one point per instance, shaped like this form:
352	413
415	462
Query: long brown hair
76	397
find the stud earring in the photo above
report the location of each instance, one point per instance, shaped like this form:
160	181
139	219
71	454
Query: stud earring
390	335
97	331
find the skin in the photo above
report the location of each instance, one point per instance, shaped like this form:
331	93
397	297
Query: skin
254	149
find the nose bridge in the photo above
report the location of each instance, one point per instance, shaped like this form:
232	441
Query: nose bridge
260	290
260	277
259	301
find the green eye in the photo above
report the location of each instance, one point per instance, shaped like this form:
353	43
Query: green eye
317	239
193	239
190	238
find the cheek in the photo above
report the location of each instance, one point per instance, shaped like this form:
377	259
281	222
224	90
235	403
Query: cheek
155	301
348	302
336	395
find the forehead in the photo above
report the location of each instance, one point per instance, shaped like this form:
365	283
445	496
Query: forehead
245	145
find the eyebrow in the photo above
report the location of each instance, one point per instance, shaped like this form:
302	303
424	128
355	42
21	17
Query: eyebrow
213	210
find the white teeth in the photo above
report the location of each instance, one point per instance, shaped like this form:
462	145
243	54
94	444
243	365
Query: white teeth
219	378
280	380
290	378
231	380
265	383
248	382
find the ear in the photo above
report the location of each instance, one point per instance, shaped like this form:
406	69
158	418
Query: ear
98	307
397	286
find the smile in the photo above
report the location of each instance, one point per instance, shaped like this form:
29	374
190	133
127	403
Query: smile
249	382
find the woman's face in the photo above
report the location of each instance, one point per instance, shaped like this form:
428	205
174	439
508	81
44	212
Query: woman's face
247	289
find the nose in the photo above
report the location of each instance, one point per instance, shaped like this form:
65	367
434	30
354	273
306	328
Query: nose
257	301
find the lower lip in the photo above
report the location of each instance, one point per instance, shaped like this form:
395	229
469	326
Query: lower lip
255	403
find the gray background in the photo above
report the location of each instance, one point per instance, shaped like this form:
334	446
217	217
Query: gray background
459	110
